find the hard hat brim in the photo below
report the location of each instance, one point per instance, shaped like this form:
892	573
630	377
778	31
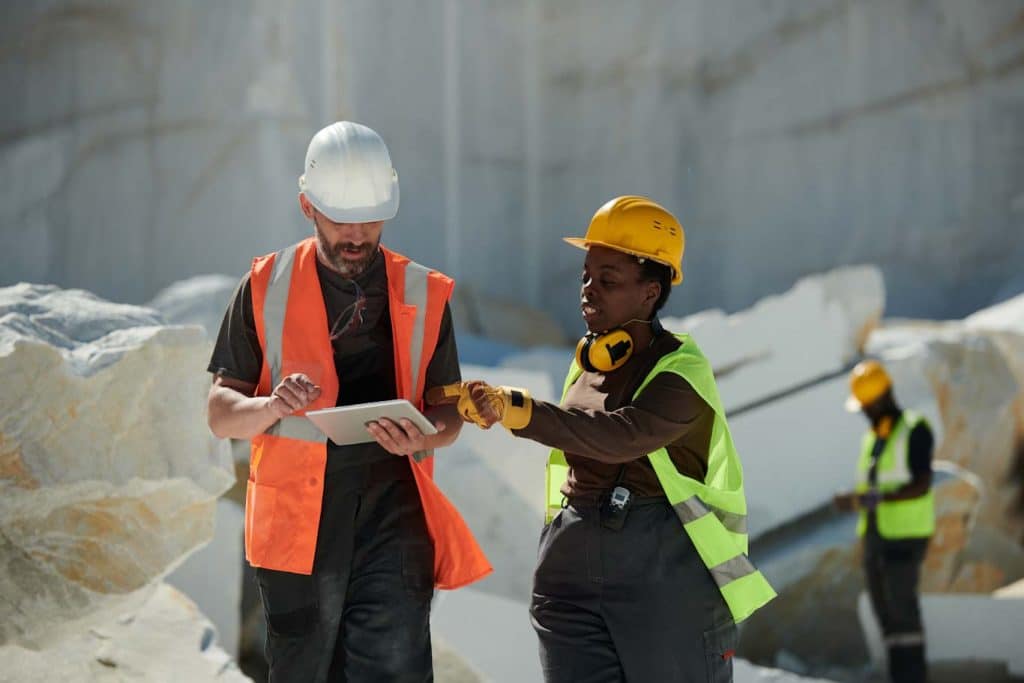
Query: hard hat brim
384	211
585	244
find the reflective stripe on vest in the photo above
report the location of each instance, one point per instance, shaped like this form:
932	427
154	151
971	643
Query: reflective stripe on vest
274	304
693	508
274	309
713	512
416	294
911	518
287	461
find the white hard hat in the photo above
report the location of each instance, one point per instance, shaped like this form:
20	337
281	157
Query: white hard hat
349	177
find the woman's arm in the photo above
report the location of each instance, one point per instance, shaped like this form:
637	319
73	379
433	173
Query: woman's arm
667	409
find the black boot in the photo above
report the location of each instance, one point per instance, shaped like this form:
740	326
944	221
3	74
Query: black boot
907	664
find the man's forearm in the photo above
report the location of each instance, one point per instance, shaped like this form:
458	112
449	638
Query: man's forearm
915	489
233	415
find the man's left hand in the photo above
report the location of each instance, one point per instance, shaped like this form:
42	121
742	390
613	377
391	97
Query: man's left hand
869	500
401	437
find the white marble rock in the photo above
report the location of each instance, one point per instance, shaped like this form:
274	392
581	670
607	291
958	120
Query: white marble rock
973	371
107	477
165	638
812	330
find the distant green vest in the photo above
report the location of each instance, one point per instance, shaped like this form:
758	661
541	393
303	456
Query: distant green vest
713	512
914	518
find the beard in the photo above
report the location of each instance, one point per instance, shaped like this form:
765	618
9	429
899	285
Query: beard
341	256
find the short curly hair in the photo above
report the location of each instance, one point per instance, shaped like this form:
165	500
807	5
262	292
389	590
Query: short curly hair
652	271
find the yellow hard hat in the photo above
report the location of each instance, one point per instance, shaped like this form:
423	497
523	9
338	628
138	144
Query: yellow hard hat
868	382
637	226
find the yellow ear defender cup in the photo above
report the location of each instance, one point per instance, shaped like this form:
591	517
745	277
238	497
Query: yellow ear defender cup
604	351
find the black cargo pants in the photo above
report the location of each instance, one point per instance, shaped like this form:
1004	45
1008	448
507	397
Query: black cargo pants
633	605
893	569
364	613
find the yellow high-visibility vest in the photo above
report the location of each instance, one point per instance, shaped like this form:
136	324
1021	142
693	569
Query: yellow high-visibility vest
714	511
912	518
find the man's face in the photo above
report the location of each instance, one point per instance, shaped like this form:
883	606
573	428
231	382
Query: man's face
347	248
883	406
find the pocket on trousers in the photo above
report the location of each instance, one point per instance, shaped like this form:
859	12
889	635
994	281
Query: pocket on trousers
260	504
418	567
545	530
289	602
719	651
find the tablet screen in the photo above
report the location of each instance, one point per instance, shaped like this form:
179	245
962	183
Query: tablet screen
346	425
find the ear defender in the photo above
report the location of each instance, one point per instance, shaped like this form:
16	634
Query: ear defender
884	427
604	351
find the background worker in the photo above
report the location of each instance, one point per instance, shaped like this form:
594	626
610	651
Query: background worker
897	514
349	541
642	573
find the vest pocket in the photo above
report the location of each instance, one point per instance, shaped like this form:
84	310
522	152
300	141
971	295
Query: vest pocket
260	503
719	650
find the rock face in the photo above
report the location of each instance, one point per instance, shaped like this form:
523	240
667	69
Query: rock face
497	483
815	565
966	377
973	373
504	319
809	332
979	628
108	479
505	649
779	131
200	300
781	364
165	638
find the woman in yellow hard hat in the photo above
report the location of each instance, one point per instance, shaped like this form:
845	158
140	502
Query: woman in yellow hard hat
642	573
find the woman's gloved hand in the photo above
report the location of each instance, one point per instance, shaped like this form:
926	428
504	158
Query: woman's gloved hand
480	403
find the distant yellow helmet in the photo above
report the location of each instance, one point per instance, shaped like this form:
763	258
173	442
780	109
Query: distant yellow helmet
637	226
868	382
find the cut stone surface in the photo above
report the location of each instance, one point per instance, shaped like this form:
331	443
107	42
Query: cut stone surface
108	479
815	565
494	635
497	482
212	575
164	638
973	371
813	330
507	320
805	437
201	300
983	628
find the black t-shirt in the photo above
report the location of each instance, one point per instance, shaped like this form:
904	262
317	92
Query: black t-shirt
919	452
360	329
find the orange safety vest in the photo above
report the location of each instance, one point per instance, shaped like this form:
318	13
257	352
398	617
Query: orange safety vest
287	462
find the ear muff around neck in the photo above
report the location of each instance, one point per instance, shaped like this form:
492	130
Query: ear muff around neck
604	351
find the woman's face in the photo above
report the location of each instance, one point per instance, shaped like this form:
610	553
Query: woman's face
612	291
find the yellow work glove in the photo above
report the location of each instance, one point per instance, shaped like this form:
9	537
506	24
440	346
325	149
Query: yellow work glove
480	403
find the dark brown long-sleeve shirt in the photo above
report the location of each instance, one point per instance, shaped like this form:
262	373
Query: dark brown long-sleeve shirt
603	431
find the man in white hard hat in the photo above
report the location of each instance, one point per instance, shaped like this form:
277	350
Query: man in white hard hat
350	541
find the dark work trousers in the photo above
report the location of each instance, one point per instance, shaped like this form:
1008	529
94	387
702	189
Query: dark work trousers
893	569
364	613
633	605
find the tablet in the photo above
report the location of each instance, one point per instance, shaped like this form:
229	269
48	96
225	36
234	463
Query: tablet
346	425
